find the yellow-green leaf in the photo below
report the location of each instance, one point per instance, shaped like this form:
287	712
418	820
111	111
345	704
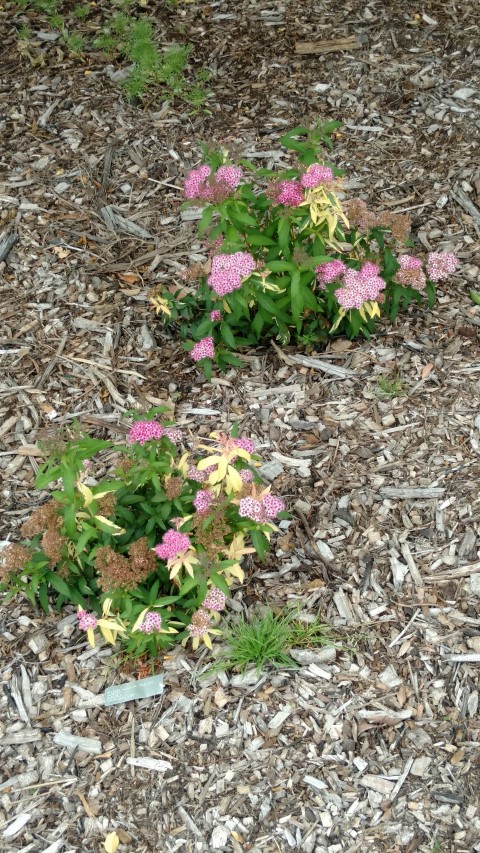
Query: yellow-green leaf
235	479
108	526
140	619
86	493
208	461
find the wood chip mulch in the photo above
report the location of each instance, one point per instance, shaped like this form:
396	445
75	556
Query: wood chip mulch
371	745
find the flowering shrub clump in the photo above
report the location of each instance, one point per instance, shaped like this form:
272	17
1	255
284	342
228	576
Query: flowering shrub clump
291	258
149	553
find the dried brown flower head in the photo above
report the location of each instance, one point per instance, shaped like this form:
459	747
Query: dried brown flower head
106	505
13	559
116	571
143	558
53	544
173	488
43	517
359	215
212	536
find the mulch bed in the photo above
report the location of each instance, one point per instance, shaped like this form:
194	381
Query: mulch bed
370	745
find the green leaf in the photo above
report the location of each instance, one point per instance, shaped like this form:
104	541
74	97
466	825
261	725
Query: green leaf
187	585
220	583
68	480
69	521
284	236
258	323
43	598
154	591
296	298
59	584
43	478
236	213
395	302
84	538
227	335
280	266
205	220
259	542
288	141
168	599
255	238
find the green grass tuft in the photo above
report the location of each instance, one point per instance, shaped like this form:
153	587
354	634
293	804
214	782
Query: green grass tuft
266	640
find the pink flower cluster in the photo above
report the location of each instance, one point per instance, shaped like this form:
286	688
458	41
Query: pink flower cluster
260	511
360	286
143	431
174	434
229	175
246	475
316	175
215	316
152	622
245	444
203	349
201	622
440	265
411	272
408	262
229	271
203	500
173	543
86	620
215	600
200	476
289	193
201	184
328	272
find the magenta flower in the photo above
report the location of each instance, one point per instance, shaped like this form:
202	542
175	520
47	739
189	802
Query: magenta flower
245	444
215	316
203	500
316	175
86	620
196	182
251	508
408	262
173	543
202	185
246	475
360	286
196	475
229	175
174	434
143	431
329	271
203	349
440	265
152	622
272	505
214	600
229	271
200	623
290	193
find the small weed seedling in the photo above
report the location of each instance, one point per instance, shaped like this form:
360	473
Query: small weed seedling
391	387
122	35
